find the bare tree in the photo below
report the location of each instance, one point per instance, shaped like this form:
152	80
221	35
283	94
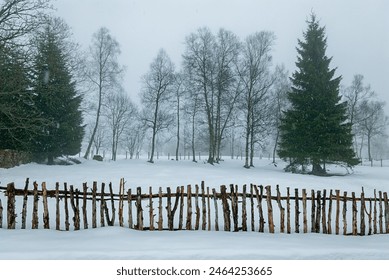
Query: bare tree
119	113
134	135
256	80
156	96
102	72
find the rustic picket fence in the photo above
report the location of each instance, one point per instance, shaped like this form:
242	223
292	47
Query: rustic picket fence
324	211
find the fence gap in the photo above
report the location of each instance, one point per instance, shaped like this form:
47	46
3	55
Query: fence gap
288	224
24	209
35	219
11	215
216	210
305	221
282	210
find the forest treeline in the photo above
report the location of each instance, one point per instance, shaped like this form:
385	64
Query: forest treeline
227	97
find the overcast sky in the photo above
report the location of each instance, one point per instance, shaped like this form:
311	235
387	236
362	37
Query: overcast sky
357	30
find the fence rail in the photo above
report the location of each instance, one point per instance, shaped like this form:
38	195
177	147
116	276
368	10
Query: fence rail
231	208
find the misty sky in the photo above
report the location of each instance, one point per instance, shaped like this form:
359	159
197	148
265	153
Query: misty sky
357	30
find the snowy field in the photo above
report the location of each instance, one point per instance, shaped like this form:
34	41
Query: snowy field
115	243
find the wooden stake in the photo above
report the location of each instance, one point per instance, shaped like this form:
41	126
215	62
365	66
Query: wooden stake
121	202
337	212
189	208
209	209
94	215
24	211
355	210
57	210
323	215
84	206
181	217
197	224
297	211
46	224
129	202
139	209
216	210
204	207
313	211
151	216
35	219
160	216
270	209
67	224
305	221
11	215
259	196
111	222
318	211
386	212
252	207
226	209
1	214
76	217
344	213
102	205
234	207
362	213
288	224
329	226
375	213
282	210
380	213
169	209
244	210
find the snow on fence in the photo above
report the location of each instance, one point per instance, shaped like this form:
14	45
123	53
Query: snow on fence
254	208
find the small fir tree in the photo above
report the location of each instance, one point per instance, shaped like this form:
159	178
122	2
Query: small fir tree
315	129
57	99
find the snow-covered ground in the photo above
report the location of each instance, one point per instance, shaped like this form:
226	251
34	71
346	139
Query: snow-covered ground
124	243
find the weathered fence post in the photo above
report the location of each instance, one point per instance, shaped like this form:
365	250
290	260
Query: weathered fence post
252	207
209	209
270	209
375	213
139	209
111	222
76	217
189	208
102	205
323	216
67	224
57	210
11	215
226	209
160	216
386	212
234	207
181	217
244	210
204	209
1	215
282	210
169	208
94	216
288	224
355	211
46	224
329	226
24	211
297	211
318	211
260	211
216	210
151	216
129	202
197	223
313	211
121	202
344	213
381	213
84	206
305	221
35	219
171	225
362	213
337	218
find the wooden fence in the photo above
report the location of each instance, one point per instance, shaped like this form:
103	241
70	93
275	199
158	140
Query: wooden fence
252	207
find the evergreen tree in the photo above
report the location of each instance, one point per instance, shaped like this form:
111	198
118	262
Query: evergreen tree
315	129
57	97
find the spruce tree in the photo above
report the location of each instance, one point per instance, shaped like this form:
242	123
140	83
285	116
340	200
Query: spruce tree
56	98
315	129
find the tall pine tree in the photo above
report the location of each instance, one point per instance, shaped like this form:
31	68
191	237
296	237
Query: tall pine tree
315	129
57	97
